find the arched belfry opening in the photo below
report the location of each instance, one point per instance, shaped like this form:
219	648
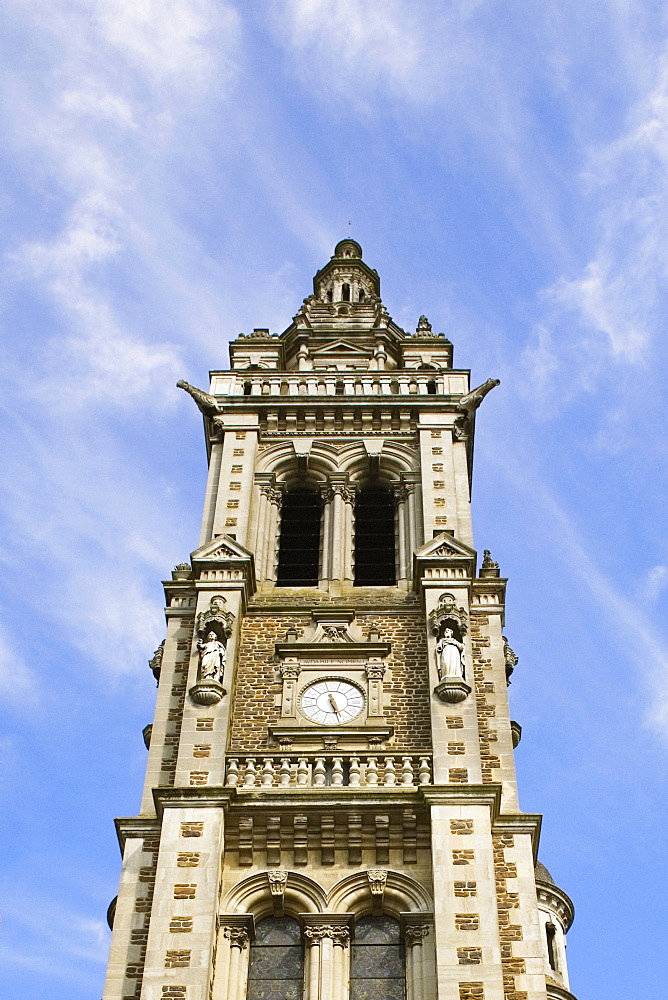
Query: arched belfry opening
375	562
299	546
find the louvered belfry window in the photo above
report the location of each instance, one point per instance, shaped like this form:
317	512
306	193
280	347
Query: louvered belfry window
374	538
299	548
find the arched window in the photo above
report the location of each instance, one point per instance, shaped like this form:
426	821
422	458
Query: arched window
247	388
377	960
374	538
330	294
299	549
551	933
361	295
431	387
345	292
276	963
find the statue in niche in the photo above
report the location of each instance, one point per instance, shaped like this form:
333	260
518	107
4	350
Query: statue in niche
212	653
450	652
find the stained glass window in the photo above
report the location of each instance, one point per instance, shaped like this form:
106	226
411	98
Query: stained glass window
377	963
276	966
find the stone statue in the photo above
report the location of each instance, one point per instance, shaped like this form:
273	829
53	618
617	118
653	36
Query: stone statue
212	655
450	656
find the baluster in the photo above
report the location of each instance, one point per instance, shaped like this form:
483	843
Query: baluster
407	771
286	773
371	773
232	773
302	771
249	777
390	776
319	772
354	772
337	771
425	771
268	772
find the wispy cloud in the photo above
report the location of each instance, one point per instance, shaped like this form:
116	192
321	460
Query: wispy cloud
50	940
609	315
97	100
626	615
19	684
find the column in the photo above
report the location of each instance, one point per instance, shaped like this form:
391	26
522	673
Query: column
328	955
348	496
400	498
340	531
326	496
275	496
235	934
414	935
411	482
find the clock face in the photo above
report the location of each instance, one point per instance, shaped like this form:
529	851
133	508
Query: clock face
332	703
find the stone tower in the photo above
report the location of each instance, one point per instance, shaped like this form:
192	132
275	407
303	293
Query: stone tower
330	806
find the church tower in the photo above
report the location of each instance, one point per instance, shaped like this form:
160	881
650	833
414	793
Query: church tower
330	807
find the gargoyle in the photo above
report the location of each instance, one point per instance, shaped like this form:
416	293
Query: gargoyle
467	406
207	404
472	400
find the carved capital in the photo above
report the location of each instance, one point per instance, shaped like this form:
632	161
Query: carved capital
237	936
335	932
290	671
341	936
415	934
375	671
348	493
275	495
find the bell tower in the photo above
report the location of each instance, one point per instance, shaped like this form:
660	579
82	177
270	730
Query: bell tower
330	807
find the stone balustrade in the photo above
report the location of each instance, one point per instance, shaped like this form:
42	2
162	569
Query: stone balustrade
351	770
303	384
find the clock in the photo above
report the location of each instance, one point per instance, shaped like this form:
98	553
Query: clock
332	702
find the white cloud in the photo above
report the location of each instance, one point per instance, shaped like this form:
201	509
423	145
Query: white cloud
44	937
610	314
19	684
641	643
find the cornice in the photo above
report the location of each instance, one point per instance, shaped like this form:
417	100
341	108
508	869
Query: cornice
563	900
316	799
209	796
128	827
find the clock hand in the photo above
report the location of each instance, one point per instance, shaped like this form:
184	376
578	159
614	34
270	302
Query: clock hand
334	705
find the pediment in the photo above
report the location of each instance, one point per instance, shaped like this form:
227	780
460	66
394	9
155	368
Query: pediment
339	347
445	546
222	547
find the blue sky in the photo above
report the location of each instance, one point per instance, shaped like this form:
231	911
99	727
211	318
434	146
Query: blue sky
174	173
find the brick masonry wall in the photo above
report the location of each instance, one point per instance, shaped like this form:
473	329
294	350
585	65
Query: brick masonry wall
258	681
